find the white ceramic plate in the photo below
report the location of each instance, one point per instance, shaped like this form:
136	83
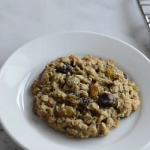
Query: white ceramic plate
19	71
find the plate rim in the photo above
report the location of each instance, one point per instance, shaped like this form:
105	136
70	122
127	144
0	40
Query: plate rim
58	33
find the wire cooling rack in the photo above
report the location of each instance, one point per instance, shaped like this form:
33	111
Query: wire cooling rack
144	6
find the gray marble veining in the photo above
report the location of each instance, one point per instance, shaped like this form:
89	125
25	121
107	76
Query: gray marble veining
6	142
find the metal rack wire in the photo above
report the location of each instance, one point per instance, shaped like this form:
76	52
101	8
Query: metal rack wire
144	6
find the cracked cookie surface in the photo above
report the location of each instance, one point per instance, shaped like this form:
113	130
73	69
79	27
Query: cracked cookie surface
83	97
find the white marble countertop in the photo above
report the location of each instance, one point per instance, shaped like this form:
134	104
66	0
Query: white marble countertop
23	21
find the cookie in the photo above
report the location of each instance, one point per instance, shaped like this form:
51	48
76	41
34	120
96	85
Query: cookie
83	97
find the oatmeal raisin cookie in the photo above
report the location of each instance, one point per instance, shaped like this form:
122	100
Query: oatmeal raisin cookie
83	97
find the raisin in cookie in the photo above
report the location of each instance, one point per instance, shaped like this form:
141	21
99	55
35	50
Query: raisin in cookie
83	97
